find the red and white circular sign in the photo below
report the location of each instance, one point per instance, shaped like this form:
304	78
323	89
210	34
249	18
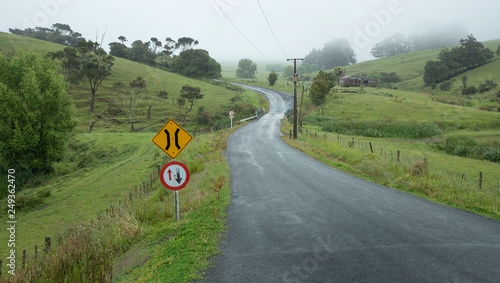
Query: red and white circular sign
174	175
231	113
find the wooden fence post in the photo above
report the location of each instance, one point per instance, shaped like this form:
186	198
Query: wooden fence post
47	244
398	156
480	180
371	148
1	267
24	258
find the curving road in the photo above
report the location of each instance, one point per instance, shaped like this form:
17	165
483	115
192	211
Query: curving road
294	219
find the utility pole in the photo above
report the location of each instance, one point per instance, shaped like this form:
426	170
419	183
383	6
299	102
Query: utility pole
295	80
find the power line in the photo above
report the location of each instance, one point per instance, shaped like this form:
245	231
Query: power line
271	29
241	32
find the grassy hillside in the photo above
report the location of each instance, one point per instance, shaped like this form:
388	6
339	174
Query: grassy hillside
410	67
91	178
12	43
216	98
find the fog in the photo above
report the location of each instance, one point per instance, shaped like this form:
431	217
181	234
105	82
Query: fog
298	25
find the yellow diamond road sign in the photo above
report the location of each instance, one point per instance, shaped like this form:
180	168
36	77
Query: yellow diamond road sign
172	139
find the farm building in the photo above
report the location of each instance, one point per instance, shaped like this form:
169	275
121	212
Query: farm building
347	81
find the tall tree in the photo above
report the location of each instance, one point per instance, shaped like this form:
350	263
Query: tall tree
118	49
138	52
155	46
314	58
96	66
272	78
464	81
191	94
393	45
246	69
138	86
162	94
470	54
338	71
473	53
36	113
169	46
435	71
185	43
321	86
122	39
337	52
196	63
70	63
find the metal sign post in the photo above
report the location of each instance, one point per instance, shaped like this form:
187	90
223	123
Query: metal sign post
231	115
175	176
177	214
172	139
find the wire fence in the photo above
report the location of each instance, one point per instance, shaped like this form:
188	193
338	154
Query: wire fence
405	158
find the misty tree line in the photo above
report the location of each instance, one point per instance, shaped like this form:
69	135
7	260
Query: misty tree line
337	52
194	63
59	33
153	52
438	37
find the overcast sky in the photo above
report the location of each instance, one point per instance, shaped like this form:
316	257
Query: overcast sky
299	25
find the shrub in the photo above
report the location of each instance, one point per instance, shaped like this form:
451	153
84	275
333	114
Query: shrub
488	107
390	78
469	90
469	148
486	86
419	168
203	117
446	85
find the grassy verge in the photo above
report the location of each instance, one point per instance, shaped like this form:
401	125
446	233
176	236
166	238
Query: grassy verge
175	251
130	239
422	171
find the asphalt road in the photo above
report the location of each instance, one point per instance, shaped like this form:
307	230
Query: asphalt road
294	219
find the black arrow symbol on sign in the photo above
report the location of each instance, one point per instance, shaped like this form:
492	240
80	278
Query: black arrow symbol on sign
178	174
176	139
168	139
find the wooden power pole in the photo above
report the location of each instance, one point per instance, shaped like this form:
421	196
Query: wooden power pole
295	80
